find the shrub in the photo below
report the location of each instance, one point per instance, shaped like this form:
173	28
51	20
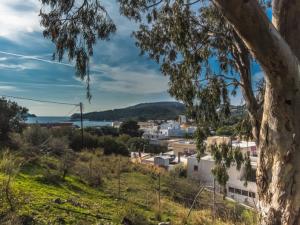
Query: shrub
133	216
9	166
103	131
156	149
111	146
225	131
179	171
36	135
89	141
131	128
58	145
124	138
89	168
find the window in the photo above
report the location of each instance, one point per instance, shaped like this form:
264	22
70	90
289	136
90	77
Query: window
251	176
195	168
231	189
245	193
238	191
252	194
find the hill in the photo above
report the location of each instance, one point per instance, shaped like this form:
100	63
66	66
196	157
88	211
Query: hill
143	111
40	197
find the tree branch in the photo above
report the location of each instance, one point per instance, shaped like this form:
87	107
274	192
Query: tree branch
285	17
262	39
192	3
153	5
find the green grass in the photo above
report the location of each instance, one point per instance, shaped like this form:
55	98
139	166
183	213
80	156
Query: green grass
82	204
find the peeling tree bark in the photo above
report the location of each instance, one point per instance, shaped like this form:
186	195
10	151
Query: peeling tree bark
277	50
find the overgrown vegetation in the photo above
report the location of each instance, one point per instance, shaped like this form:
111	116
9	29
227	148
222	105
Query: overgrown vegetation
43	181
48	176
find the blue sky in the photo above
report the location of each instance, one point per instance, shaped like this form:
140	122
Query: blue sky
121	76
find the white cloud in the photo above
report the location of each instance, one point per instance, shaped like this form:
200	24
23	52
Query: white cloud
7	88
19	66
128	80
35	58
16	20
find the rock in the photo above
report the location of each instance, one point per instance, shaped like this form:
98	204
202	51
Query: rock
61	221
164	223
126	221
26	220
58	201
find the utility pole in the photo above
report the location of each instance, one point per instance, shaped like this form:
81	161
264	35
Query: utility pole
81	122
119	178
159	192
214	201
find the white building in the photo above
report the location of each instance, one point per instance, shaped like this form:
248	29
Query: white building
185	147
235	188
182	119
248	147
167	130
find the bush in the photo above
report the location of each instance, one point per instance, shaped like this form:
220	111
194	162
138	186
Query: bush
133	216
179	171
131	128
225	131
185	191
103	131
156	149
111	146
57	145
89	168
124	138
36	135
89	141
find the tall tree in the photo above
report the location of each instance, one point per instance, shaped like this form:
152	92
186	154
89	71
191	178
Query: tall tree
11	117
185	37
130	128
74	27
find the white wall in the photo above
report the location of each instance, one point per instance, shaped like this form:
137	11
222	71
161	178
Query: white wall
204	170
205	175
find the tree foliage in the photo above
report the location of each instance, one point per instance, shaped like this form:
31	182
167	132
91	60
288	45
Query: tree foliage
12	117
74	26
137	144
131	128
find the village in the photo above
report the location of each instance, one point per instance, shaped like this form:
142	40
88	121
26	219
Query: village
182	151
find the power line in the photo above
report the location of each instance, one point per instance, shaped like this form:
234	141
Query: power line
72	111
38	100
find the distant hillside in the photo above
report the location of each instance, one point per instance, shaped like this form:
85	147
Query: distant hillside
143	111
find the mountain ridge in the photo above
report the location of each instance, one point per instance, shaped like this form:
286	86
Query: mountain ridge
143	111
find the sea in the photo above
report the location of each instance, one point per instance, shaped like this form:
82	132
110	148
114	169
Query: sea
61	119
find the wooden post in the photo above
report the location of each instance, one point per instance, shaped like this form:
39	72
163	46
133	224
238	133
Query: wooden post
81	122
159	192
119	178
214	201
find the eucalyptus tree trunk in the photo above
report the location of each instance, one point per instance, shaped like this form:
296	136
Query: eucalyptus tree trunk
277	48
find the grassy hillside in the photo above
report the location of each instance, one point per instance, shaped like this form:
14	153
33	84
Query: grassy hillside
39	196
144	111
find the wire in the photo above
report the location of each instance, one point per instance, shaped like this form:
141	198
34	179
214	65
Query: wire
72	111
37	100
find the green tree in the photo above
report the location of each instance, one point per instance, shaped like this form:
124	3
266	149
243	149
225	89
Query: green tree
225	130
137	144
185	37
112	146
12	118
131	128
